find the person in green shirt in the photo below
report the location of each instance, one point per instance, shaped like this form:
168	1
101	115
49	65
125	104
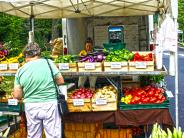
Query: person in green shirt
34	83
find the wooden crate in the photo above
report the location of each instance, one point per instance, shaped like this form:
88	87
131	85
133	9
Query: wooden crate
90	67
67	67
141	65
115	66
146	66
86	127
114	133
86	107
131	84
110	106
8	71
82	130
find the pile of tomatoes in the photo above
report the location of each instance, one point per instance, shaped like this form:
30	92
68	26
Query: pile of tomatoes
146	95
139	57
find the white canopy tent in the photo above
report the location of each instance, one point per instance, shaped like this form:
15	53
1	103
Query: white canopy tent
80	8
89	8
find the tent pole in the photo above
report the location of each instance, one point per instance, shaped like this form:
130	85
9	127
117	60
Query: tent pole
176	78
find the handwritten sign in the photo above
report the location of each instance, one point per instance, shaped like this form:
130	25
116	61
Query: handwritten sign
14	66
78	102
115	65
101	101
140	65
12	101
89	65
64	66
3	66
169	94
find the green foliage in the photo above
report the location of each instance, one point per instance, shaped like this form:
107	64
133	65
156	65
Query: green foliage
147	80
12	29
43	30
181	14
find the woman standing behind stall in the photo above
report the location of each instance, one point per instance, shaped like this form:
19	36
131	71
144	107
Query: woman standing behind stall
88	47
34	83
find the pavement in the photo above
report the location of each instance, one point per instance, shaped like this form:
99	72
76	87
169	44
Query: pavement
171	85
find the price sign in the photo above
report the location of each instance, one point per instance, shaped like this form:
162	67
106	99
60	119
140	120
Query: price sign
115	65
169	94
140	65
101	101
14	66
3	66
1	113
89	65
124	64
12	101
64	66
78	102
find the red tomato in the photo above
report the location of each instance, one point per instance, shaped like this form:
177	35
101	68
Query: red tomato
145	100
153	99
150	93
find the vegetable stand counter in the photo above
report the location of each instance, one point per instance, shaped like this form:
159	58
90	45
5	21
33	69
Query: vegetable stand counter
126	117
123	118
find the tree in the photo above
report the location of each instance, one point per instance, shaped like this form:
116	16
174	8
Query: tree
12	29
181	14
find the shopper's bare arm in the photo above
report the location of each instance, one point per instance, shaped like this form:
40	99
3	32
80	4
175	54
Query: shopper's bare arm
59	79
17	92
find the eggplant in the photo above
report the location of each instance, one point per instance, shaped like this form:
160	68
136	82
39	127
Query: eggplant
91	59
84	59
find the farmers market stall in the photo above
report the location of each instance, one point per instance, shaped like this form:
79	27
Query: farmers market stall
109	68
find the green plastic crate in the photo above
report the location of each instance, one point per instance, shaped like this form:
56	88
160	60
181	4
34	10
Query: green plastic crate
3	119
123	106
114	46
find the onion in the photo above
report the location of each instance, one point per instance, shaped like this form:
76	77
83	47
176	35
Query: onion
99	58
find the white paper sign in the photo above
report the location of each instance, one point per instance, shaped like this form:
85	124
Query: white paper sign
101	101
1	113
64	66
89	65
14	66
140	65
3	66
12	101
78	102
169	94
115	65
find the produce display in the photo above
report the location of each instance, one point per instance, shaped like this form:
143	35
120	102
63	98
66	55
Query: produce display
65	59
157	132
82	93
119	56
57	46
105	99
146	95
107	92
142	57
96	56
